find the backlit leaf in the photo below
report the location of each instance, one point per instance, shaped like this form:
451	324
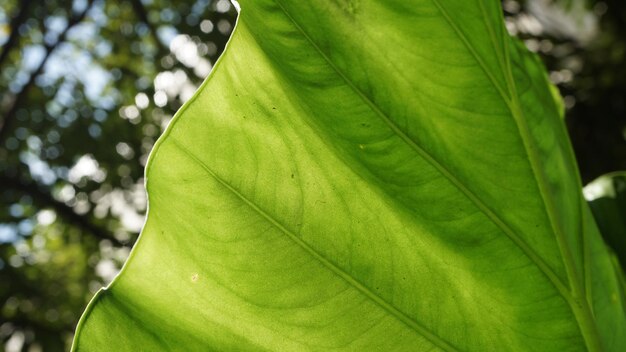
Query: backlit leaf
365	175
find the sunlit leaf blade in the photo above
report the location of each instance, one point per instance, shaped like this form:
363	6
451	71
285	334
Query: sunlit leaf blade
365	175
607	198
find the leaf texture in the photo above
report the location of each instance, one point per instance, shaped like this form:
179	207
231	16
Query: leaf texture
365	175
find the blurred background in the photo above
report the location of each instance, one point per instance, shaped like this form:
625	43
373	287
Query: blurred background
87	86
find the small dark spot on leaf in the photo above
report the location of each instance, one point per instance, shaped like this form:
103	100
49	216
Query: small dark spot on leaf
292	176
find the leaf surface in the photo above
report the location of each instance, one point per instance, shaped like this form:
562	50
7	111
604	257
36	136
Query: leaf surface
365	175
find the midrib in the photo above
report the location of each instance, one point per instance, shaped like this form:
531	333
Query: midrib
578	303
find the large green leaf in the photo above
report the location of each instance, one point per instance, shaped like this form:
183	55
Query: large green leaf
365	175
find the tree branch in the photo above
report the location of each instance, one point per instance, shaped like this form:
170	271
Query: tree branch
9	116
61	208
16	23
142	14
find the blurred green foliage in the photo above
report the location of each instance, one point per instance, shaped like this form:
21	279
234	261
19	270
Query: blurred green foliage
87	86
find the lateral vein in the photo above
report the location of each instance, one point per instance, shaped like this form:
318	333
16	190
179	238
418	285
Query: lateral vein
408	321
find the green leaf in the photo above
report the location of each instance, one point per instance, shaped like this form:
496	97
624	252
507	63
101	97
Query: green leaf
607	199
365	175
